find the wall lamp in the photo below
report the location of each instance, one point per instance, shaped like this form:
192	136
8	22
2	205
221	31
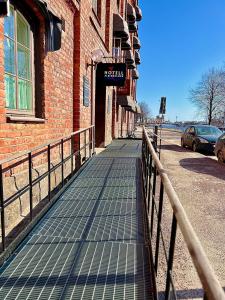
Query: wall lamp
96	58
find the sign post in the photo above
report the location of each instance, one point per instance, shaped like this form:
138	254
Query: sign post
162	111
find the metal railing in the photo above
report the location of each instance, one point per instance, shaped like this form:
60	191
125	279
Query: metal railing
80	142
153	171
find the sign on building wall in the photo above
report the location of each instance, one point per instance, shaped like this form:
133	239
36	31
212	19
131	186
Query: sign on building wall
162	109
111	74
86	91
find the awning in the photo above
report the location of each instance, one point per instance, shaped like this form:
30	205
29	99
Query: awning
131	13
131	66
136	43
53	27
129	57
132	107
127	102
137	57
120	27
132	27
124	100
138	13
135	74
126	44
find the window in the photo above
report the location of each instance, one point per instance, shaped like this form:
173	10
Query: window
116	51
18	62
96	6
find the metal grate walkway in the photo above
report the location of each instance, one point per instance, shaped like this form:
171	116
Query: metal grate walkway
91	243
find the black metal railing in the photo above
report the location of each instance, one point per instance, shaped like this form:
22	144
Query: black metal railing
75	149
157	185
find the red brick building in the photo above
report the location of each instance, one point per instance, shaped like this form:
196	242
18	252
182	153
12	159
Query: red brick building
50	52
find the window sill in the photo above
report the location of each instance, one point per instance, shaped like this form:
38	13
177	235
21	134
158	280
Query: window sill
24	119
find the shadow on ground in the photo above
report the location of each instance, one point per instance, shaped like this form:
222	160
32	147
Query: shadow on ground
204	165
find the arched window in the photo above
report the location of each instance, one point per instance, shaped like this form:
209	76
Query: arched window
18	63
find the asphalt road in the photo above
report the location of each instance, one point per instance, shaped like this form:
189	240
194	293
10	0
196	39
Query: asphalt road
199	181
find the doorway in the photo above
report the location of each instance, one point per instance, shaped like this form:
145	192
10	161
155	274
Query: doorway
100	108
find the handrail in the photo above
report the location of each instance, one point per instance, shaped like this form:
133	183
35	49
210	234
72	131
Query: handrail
23	153
78	151
205	272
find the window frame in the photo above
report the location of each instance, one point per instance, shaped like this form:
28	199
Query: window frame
17	111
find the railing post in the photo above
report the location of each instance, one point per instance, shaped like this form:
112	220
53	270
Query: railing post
89	141
71	152
78	156
62	161
49	173
85	145
159	226
171	255
155	138
160	146
153	198
30	184
93	139
149	182
2	209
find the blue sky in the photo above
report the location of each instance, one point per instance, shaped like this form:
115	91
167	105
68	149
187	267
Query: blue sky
181	40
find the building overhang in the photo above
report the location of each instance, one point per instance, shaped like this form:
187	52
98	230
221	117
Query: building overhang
129	57
120	27
131	13
138	13
136	43
132	27
137	57
135	74
131	66
124	101
126	44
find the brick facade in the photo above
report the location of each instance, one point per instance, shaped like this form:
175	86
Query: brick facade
61	74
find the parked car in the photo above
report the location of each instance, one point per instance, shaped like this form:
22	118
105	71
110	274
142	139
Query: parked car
200	137
220	148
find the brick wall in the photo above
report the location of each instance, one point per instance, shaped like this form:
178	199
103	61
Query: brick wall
56	86
61	79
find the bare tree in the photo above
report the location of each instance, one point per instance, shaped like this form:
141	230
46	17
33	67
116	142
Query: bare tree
145	110
209	94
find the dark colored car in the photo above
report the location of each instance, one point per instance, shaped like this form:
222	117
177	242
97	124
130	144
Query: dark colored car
220	148
200	137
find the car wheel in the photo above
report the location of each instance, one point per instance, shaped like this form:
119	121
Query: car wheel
182	143
220	157
194	147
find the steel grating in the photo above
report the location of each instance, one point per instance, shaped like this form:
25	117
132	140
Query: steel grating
91	243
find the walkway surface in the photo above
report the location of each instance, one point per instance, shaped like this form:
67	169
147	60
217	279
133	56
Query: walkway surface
92	242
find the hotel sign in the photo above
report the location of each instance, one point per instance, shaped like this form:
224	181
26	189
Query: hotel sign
111	74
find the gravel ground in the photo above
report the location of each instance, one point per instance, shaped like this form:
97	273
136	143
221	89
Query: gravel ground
199	181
